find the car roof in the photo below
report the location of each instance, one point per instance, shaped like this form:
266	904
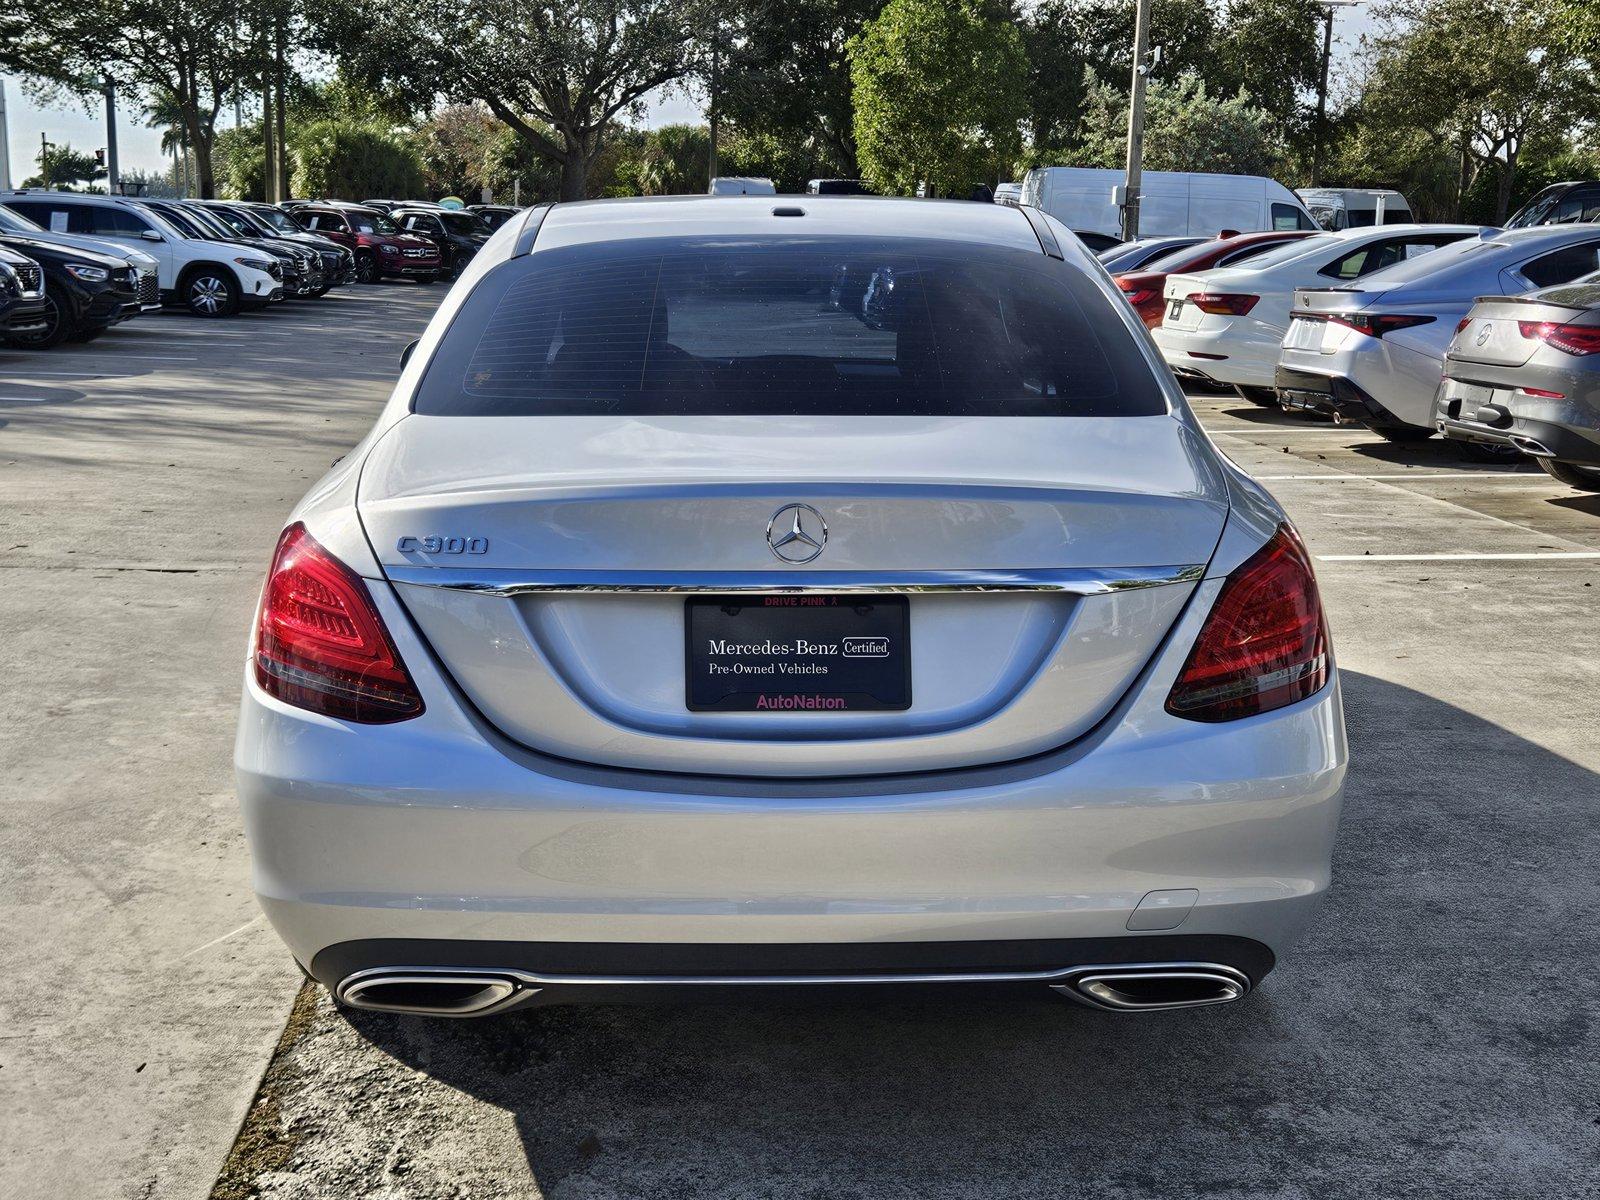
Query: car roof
586	221
1570	231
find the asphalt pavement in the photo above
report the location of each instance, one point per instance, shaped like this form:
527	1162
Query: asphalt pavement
1434	1035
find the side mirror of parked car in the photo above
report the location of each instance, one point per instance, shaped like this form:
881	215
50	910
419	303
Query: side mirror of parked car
150	235
405	355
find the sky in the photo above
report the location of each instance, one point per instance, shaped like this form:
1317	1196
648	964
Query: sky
139	148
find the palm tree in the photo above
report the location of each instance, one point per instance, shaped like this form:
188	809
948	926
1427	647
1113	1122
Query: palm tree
165	115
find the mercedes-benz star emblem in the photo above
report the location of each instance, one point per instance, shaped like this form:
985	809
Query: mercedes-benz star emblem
1486	332
797	533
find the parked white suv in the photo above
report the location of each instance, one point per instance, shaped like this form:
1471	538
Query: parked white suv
211	279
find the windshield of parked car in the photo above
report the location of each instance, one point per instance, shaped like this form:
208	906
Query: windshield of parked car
15	222
278	219
363	222
212	223
184	222
464	224
775	326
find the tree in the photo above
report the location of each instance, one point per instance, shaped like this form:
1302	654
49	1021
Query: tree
156	51
938	96
786	78
675	161
351	160
559	74
1483	76
1055	51
1185	129
62	166
1271	49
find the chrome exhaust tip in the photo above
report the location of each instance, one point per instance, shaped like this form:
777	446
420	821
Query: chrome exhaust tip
1531	446
427	991
1152	987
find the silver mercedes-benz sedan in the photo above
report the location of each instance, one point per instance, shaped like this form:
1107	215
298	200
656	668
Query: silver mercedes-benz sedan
1524	372
758	594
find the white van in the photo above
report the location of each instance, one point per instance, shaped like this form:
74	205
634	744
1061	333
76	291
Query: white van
1355	208
741	185
1171	204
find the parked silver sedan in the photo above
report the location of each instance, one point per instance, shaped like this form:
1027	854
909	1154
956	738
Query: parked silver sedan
1524	371
1373	352
753	594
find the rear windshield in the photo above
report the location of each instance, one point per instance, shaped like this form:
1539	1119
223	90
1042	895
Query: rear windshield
848	326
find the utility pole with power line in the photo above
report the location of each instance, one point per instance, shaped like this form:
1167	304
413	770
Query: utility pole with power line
1128	195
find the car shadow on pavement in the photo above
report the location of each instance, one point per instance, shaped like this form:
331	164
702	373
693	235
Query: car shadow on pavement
1430	1036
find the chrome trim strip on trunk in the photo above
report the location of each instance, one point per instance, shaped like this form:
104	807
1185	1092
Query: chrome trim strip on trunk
1077	581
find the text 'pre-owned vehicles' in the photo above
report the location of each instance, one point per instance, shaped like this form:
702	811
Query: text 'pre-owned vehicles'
1227	326
381	249
739	593
1524	372
209	278
1373	352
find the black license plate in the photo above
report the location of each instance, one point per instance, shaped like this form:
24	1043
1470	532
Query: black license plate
798	653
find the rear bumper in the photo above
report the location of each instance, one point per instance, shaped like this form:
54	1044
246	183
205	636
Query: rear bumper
1245	357
1566	429
1331	396
580	972
436	830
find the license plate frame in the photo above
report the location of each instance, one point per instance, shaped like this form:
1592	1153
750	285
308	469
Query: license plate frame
846	653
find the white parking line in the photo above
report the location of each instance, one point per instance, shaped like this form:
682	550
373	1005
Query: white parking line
22	376
1506	557
1538	475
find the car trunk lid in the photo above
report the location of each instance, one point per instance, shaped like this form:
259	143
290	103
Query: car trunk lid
546	559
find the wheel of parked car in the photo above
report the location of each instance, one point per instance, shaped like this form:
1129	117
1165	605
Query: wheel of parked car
366	269
1402	433
1584	478
86	335
58	325
210	292
319	293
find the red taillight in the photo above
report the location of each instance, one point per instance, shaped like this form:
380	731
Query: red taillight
1263	645
1378	324
1223	303
1136	286
1463	323
320	643
1577	340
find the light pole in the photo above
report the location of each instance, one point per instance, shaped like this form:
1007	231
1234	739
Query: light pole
1128	199
5	142
113	179
1322	84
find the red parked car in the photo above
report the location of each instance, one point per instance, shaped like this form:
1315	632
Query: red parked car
380	248
1144	286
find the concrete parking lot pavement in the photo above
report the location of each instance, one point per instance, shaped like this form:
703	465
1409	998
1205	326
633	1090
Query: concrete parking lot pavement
1433	1036
143	479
